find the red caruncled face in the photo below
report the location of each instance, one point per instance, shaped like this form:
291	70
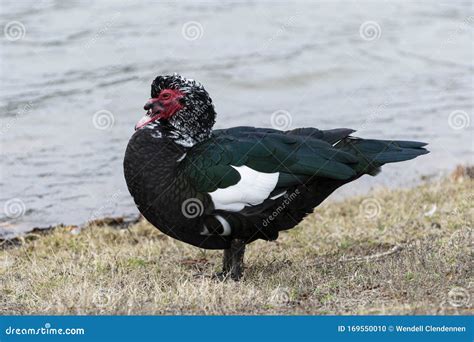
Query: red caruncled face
162	107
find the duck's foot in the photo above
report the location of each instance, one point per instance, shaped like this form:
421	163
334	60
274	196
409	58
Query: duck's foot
233	262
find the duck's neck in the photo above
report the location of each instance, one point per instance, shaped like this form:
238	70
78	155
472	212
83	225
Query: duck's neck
151	162
192	126
181	135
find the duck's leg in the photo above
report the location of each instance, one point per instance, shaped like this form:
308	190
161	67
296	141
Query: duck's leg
238	251
227	261
234	259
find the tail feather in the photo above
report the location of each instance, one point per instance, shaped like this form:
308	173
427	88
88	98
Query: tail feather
372	154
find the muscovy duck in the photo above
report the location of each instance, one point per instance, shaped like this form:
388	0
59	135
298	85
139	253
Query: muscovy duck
223	189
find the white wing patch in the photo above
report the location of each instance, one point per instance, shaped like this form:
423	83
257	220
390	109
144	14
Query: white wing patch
253	188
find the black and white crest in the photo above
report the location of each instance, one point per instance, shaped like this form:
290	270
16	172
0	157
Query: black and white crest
176	82
194	122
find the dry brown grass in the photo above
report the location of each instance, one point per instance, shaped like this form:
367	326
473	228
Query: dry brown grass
318	268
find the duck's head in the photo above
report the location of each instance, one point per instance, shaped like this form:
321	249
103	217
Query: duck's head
181	103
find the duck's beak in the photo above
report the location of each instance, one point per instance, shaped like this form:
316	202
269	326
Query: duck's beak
142	122
154	109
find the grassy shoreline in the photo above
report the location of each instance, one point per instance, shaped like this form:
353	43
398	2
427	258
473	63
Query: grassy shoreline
389	252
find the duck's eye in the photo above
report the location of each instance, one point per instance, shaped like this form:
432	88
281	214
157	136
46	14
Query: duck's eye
166	96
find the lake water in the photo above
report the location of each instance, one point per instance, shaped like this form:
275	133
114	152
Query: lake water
75	76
